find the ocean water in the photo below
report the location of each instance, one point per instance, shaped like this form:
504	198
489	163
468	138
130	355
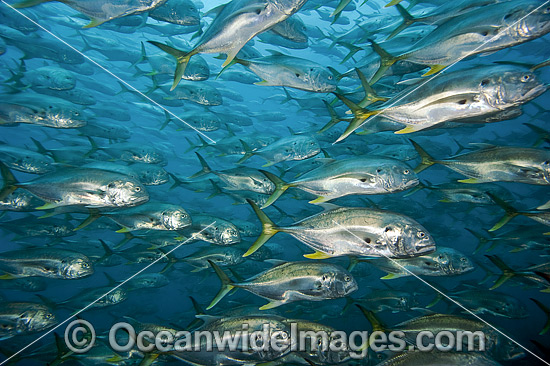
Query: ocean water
127	82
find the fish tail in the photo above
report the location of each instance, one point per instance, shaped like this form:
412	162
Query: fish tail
268	229
480	238
217	190
509	215
198	311
48	302
248	153
392	3
108	251
182	59
177	182
353	261
227	285
94	215
370	95
507	272
427	160
386	61
167	120
543	134
547	312
349	302
376	323
205	168
127	238
353	49
93	148
142	56
334	118
234	61
360	115
9	182
29	3
408	20
280	187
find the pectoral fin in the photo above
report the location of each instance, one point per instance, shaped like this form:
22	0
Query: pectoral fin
469	180
390	276
317	255
47	206
434	70
271	305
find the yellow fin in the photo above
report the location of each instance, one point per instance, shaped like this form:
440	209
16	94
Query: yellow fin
319	199
123	230
271	305
469	180
47	206
94	23
434	70
7	277
392	3
407	129
263	82
390	276
317	255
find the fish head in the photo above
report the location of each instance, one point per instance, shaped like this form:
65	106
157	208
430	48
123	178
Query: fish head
78	267
452	262
197	69
116	296
511	308
187	13
512	86
336	282
176	219
39	318
153	176
396	177
527	21
64	116
407	240
37	166
122	193
288	7
59	80
31	284
229	234
305	148
318	79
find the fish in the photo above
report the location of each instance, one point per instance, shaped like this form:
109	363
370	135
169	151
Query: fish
26	161
97	11
222	256
289	148
282	70
490	93
369	175
353	231
91	188
292	281
495	164
147	216
236	23
40	110
46	262
20	318
441	262
181	12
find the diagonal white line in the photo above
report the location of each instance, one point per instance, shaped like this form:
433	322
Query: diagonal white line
164	255
450	299
393	103
110	73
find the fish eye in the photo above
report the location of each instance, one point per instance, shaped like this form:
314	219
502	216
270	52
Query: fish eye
525	78
406	171
347	278
137	189
421	234
297	75
330	77
485	82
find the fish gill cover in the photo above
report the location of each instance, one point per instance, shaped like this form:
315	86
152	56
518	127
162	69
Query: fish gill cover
157	156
